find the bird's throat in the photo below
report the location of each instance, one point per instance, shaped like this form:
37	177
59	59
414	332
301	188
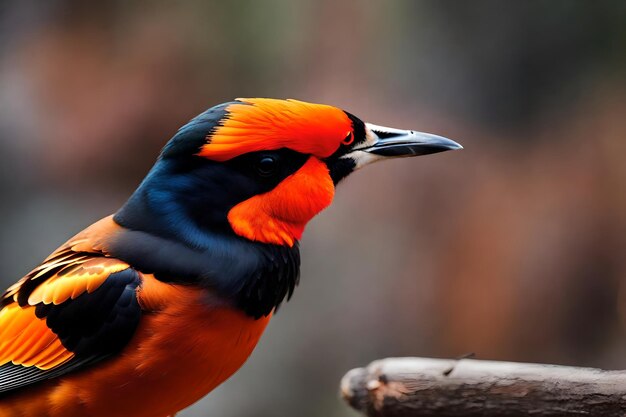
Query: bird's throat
280	215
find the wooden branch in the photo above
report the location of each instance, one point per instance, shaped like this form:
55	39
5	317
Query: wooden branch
402	387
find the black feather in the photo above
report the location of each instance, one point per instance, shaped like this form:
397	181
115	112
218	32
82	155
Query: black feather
93	326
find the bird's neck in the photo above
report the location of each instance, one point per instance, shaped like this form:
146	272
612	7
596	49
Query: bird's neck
163	216
175	205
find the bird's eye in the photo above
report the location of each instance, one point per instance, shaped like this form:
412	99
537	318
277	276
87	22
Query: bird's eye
267	166
348	139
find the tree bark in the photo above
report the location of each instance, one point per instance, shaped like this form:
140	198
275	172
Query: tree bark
402	387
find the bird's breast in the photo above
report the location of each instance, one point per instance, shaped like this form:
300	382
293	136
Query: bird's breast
187	344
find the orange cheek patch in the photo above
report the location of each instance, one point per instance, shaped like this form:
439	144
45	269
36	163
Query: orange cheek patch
280	215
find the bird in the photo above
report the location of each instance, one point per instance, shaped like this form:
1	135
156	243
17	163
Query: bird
147	310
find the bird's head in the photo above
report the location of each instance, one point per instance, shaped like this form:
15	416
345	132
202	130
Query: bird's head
236	186
271	165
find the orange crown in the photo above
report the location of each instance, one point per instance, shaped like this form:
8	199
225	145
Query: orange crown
258	124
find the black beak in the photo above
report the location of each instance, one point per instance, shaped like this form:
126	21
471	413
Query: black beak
397	143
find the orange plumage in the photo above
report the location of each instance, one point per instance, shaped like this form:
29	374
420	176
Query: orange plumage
279	216
258	124
221	340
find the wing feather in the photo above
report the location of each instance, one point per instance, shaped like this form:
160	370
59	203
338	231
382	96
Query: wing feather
75	309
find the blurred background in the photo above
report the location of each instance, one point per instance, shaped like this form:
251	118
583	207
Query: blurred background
513	248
